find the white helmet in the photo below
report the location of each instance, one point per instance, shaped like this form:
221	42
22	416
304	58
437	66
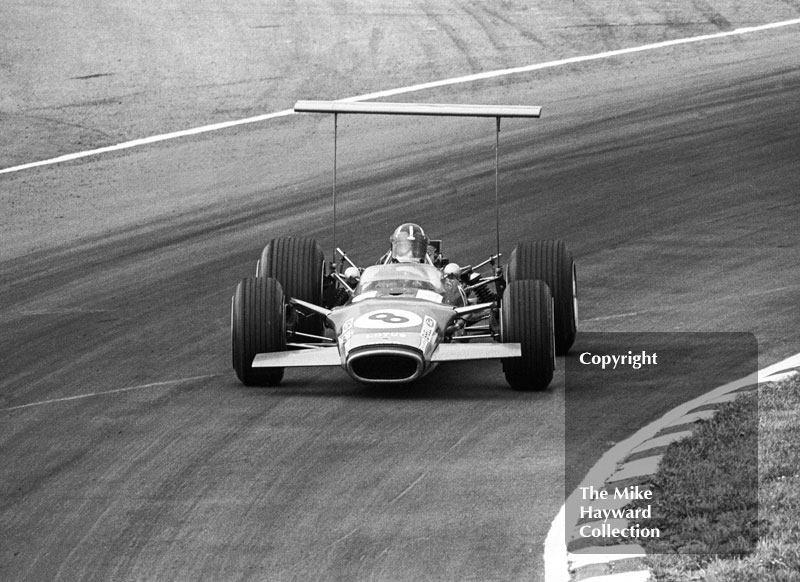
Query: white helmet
409	243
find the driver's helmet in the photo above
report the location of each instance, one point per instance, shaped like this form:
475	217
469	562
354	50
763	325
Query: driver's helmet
409	243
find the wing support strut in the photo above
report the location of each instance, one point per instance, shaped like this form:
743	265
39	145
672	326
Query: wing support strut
435	109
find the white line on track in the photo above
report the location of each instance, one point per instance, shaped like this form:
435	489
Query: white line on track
402	90
117	391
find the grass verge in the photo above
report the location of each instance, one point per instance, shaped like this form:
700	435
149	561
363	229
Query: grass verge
727	499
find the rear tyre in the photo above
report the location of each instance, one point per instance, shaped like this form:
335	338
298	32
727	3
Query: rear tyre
526	317
298	264
551	262
257	326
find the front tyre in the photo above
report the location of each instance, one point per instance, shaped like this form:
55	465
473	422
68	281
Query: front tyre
526	317
257	326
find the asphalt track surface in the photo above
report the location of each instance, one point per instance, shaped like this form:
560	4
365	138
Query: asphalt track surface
130	452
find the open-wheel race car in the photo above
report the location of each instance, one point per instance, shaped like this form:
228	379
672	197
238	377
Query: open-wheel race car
396	320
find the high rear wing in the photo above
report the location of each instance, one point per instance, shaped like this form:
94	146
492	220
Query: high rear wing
437	109
337	108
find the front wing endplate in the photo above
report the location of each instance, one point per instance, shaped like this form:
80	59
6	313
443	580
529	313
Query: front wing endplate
477	351
299	358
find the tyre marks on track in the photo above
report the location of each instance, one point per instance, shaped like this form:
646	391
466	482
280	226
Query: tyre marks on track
409	89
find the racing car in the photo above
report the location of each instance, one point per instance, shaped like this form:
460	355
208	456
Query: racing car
395	321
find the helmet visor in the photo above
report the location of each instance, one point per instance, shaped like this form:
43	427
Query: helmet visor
409	249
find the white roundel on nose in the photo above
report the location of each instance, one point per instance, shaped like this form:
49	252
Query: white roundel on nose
388	319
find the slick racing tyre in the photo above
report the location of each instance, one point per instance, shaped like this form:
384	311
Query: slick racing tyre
298	263
257	326
526	317
551	262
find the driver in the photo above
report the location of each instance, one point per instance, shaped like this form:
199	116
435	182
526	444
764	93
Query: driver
409	244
